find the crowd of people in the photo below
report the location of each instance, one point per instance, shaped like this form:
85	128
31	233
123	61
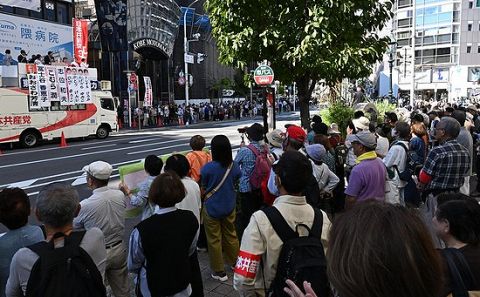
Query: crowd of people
381	209
38	59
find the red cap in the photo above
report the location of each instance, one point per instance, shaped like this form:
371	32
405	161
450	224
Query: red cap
297	133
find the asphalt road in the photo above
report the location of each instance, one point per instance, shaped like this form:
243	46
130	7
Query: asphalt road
32	169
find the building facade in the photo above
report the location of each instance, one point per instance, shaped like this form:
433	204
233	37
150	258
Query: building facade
444	36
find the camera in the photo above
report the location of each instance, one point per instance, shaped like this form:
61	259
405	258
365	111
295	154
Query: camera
242	130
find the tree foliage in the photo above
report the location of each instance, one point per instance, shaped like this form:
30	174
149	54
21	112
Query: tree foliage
304	40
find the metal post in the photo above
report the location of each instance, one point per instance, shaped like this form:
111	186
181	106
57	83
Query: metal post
138	104
414	24
185	51
129	102
390	63
294	89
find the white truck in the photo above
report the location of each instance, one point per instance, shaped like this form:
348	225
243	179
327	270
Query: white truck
20	122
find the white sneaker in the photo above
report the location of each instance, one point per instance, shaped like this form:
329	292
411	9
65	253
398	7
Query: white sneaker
221	276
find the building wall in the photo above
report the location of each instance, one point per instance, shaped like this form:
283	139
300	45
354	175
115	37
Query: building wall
470	38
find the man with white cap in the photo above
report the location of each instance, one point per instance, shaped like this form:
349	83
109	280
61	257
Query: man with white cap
360	124
105	209
367	178
275	139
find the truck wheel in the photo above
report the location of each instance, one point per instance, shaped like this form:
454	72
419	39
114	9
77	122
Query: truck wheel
102	132
29	139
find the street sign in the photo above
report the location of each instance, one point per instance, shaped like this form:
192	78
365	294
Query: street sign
263	75
189	58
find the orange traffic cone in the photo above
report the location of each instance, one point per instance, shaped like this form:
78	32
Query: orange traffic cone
63	141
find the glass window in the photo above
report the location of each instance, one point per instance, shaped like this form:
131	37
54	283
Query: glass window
444	38
469	27
21	11
455	37
107	103
6	8
431	10
445	17
443	59
430	19
78	107
62	13
49	11
429	52
443	51
478	3
470	4
478	49
469	49
429	40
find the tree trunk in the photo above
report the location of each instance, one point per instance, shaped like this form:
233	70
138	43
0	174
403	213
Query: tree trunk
304	95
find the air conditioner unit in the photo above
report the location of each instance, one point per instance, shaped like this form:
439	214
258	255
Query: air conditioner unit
106	85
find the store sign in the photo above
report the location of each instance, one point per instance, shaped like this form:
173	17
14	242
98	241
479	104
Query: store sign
80	39
27	4
35	37
153	43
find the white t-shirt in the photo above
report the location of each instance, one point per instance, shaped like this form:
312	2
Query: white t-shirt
382	146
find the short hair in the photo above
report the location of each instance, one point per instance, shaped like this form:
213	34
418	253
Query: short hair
98	182
419	129
358	114
460	116
179	164
56	204
294	170
449	109
452	126
445	197
221	150
383	249
197	142
14	208
166	190
391	116
295	144
153	165
7	51
463	217
403	129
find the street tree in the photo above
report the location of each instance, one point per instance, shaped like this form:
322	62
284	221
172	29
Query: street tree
304	40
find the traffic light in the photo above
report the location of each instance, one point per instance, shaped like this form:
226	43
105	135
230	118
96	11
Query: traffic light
200	57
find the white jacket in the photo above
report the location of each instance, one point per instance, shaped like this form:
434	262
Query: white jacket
326	179
260	241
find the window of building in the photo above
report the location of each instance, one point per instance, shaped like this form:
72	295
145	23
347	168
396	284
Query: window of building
49	11
470	4
5	8
21	11
62	13
469	49
478	49
469	27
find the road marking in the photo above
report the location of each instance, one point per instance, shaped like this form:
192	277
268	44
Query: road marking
99	146
80	181
22	184
92	153
150	150
142	140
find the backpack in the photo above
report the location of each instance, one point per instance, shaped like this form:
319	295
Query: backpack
261	169
302	257
410	167
65	271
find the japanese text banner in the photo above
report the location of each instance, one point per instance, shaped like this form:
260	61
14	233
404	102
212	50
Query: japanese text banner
80	39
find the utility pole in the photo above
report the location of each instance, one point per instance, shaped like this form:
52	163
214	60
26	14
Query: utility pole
185	52
414	24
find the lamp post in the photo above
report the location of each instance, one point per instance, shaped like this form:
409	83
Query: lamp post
185	51
391	59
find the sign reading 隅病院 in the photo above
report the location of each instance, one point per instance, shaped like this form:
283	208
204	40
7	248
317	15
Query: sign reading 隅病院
149	42
35	37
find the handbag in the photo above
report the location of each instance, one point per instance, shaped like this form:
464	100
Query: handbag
392	195
206	196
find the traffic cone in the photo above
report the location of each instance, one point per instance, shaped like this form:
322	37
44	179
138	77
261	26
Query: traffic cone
63	141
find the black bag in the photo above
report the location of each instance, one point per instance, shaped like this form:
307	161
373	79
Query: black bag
312	192
65	271
302	257
410	167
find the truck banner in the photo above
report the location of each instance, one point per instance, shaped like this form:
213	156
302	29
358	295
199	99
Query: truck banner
44	100
52	83
62	86
80	39
33	90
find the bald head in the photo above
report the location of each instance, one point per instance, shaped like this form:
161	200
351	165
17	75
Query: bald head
450	126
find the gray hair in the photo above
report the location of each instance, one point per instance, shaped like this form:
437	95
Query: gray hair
451	126
56	204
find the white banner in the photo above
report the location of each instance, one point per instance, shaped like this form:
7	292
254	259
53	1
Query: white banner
34	36
52	83
62	86
27	4
148	100
42	86
33	90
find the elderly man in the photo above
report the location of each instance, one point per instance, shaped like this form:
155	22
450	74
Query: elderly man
367	179
57	204
105	209
465	139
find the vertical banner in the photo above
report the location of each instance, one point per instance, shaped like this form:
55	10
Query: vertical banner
72	84
33	90
80	39
62	86
87	87
148	100
52	83
42	86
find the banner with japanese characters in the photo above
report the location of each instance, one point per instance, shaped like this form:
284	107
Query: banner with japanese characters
52	83
43	98
62	86
34	37
148	100
80	39
33	91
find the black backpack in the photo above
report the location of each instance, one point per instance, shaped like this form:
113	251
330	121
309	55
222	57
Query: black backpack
302	257
65	271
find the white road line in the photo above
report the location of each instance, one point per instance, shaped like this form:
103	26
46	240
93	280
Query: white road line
22	184
151	150
142	140
98	146
91	153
